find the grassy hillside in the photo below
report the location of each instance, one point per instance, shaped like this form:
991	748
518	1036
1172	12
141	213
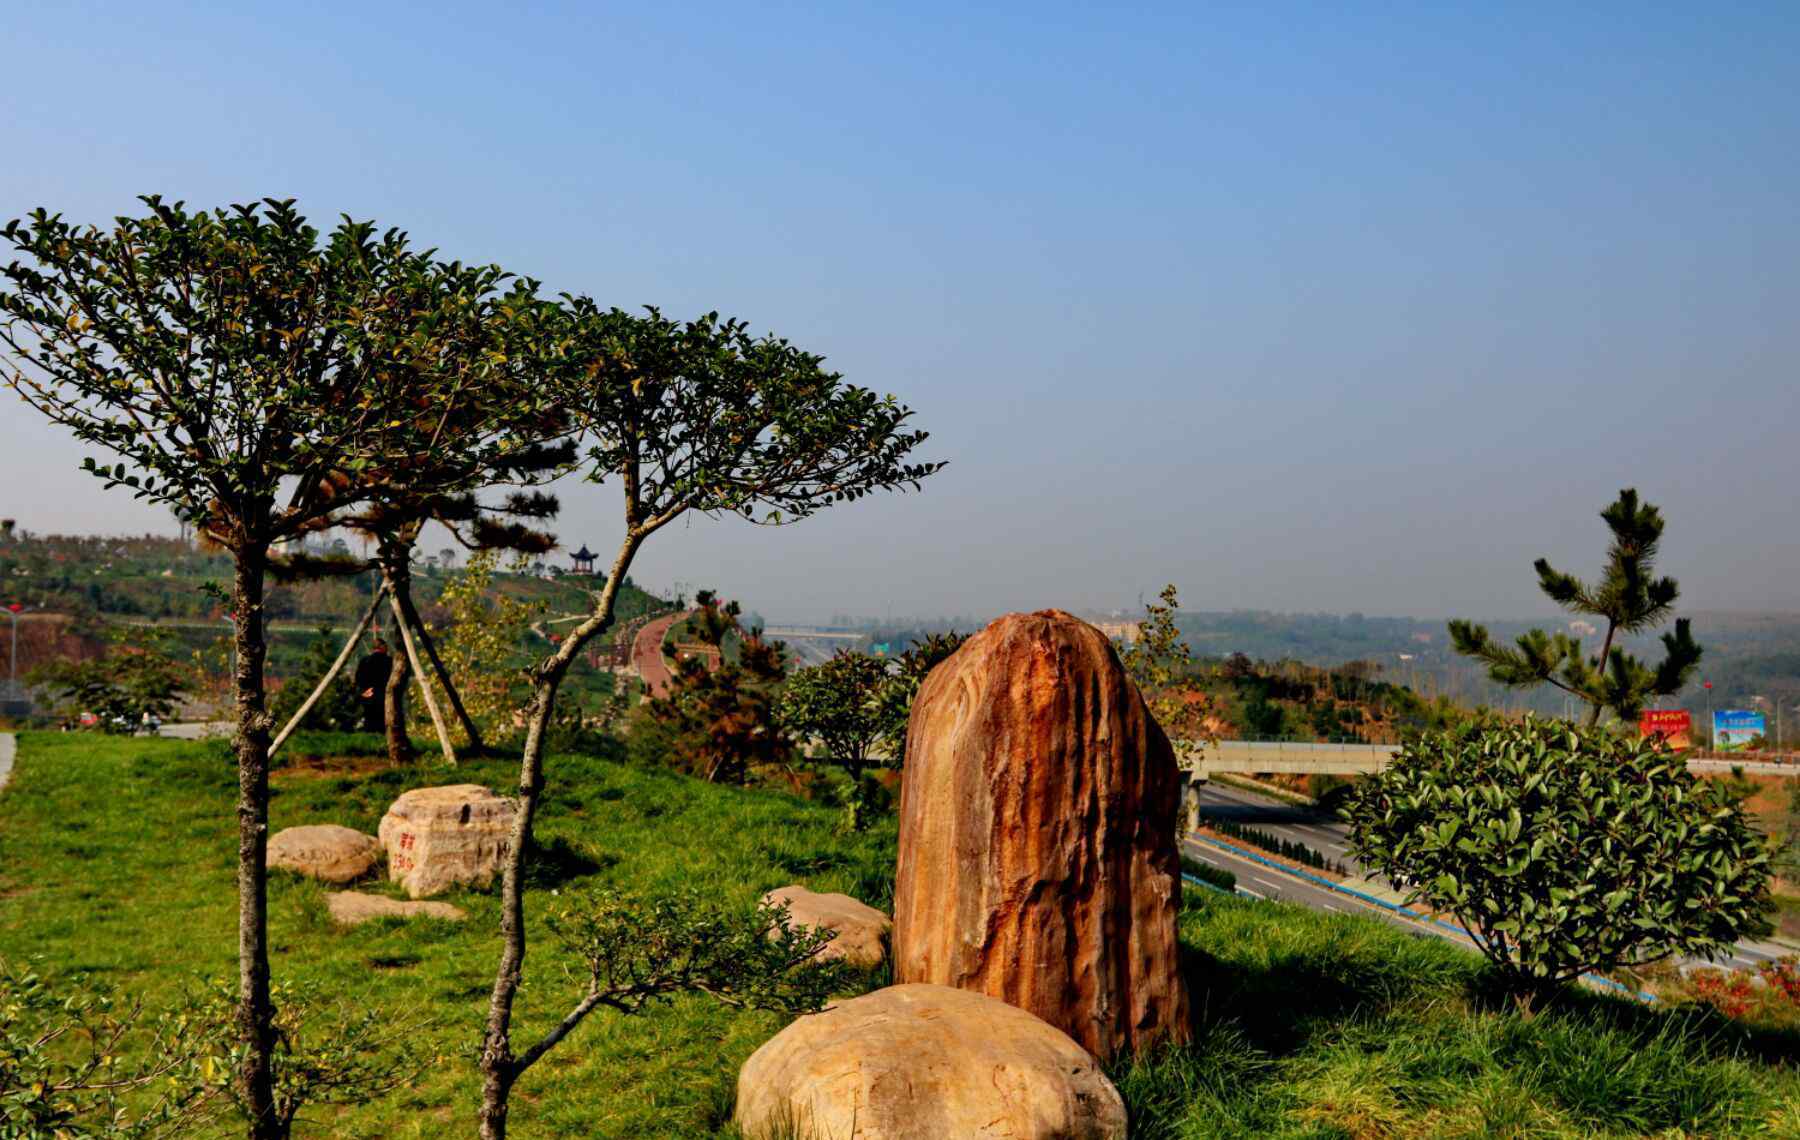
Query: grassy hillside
116	860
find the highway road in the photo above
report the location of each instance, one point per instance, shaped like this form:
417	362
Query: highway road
1261	882
1330	838
1324	834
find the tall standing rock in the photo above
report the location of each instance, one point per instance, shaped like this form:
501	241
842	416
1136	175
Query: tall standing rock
1038	861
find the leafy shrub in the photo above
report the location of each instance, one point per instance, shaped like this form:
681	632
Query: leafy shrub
63	1067
1563	850
136	679
1286	848
327	1050
1207	873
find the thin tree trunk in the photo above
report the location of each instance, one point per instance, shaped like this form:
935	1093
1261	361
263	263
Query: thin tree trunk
399	746
412	659
437	666
500	1069
331	673
1605	652
255	1013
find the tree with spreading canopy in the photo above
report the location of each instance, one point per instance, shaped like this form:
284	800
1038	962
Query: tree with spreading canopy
858	706
259	379
1627	597
698	417
838	702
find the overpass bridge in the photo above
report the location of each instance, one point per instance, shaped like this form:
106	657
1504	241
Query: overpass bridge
1289	756
813	645
1351	759
812	633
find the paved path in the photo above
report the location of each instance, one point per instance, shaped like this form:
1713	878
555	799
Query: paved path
8	744
646	654
199	730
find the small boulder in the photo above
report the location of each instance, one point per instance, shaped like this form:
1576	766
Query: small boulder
924	1062
324	851
858	927
438	838
352	908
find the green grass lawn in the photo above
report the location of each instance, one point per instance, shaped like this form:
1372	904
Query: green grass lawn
117	860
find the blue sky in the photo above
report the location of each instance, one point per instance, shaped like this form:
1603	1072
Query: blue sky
1301	307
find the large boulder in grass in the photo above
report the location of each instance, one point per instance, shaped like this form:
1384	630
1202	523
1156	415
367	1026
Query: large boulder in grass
324	851
925	1062
444	837
1038	860
857	928
353	908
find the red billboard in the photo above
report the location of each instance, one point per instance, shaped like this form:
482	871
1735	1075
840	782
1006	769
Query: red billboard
1675	726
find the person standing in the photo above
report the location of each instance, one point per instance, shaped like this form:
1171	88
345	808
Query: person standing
371	680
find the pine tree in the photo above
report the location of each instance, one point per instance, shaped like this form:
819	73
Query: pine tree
1629	599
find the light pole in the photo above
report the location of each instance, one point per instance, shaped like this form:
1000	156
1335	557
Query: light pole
1711	744
1765	701
12	677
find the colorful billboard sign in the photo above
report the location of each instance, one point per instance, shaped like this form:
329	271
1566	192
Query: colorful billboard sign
1675	726
1734	729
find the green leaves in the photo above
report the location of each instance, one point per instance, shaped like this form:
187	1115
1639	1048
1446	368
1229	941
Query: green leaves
705	416
1563	850
328	1050
1626	598
75	1064
234	357
840	703
641	950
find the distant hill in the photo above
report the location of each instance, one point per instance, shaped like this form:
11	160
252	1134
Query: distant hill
1746	653
76	586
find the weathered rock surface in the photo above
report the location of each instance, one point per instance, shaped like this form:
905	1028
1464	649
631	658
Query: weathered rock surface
859	927
925	1062
349	908
324	851
1038	860
438	838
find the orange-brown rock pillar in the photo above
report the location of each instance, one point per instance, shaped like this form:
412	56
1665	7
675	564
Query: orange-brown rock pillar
1038	862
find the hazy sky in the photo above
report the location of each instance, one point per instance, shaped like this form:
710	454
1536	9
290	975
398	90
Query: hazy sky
1333	307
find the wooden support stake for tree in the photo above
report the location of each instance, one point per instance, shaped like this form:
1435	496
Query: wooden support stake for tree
437	665
337	667
412	658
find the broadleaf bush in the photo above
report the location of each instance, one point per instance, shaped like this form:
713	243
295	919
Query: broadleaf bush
1564	850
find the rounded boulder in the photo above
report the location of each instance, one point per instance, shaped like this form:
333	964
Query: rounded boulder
324	851
924	1062
858	929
